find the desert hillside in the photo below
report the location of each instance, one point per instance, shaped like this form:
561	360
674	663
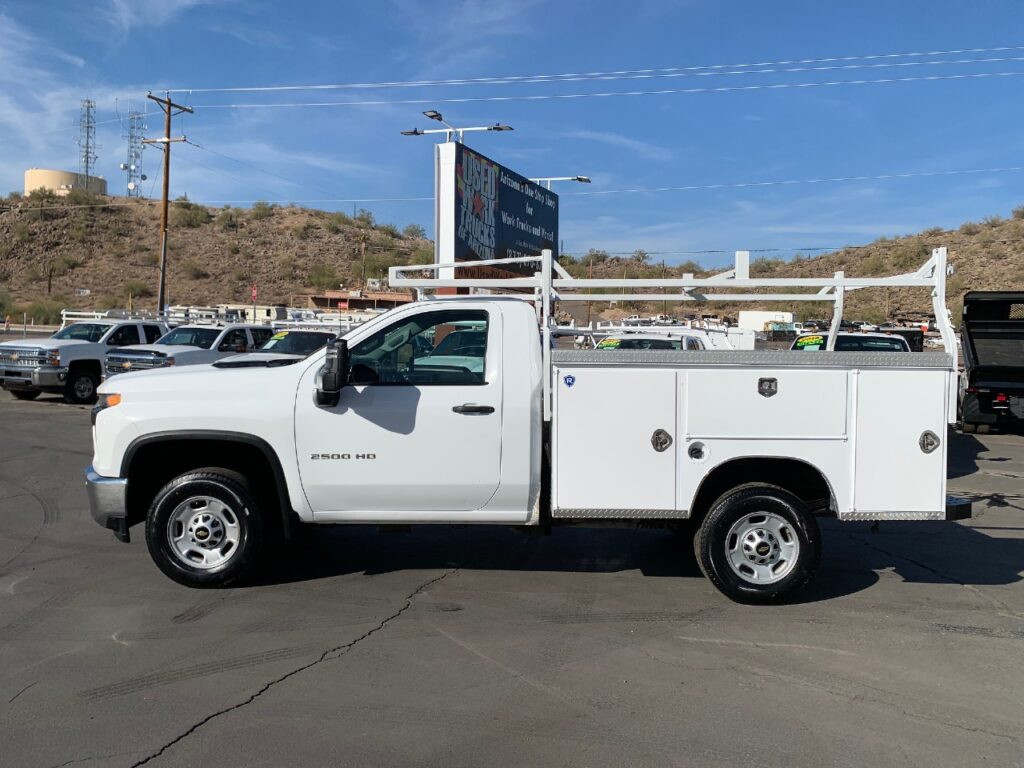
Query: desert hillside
53	249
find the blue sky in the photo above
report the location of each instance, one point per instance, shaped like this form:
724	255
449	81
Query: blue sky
55	53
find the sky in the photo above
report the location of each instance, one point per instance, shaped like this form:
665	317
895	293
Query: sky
743	98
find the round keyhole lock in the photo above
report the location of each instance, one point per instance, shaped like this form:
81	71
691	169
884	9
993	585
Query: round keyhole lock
697	451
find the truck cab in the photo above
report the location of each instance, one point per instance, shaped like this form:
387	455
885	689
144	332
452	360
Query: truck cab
71	361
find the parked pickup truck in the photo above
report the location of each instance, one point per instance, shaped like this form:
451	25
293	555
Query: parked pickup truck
188	345
71	361
748	447
283	348
992	384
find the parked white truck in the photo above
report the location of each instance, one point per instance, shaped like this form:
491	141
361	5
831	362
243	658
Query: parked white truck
71	361
188	345
749	447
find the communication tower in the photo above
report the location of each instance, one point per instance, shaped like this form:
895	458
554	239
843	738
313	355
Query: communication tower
87	140
133	165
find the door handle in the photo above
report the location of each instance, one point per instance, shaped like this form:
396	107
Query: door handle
470	408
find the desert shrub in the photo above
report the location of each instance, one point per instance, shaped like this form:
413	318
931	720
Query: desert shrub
67	263
1018	212
323	277
389	229
6	305
234	248
303	231
194	271
229	219
969	228
414	231
261	210
136	289
189	215
689	267
992	221
44	311
364	218
337	222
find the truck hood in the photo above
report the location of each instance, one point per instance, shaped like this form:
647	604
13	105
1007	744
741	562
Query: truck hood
203	383
48	343
256	359
165	350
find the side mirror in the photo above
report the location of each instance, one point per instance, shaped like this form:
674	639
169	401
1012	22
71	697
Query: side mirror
333	375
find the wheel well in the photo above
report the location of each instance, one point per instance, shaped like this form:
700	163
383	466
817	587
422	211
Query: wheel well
153	464
93	366
798	477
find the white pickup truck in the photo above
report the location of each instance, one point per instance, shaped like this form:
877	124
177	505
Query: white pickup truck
188	345
748	447
71	361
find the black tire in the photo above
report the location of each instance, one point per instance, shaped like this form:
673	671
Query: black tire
182	496
25	394
80	388
968	428
739	507
983	429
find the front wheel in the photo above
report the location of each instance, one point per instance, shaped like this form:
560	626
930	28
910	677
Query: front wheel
204	528
80	388
758	544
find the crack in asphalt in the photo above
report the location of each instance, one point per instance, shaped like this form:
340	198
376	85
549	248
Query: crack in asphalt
328	655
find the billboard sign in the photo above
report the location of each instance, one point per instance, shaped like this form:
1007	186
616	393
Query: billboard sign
486	211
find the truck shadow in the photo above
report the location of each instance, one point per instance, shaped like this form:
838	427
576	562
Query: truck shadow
853	554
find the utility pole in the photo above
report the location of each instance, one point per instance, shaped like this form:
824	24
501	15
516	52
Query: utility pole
168	108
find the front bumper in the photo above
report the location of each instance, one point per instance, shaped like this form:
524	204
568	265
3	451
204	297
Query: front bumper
43	377
107	502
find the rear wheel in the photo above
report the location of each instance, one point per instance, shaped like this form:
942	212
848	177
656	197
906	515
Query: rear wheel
25	394
80	388
758	543
204	528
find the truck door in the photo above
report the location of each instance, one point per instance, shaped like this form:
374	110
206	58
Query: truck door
419	426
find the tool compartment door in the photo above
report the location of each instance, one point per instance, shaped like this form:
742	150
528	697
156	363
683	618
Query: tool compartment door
605	464
893	472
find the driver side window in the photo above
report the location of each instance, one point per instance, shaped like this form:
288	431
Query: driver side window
444	347
123	336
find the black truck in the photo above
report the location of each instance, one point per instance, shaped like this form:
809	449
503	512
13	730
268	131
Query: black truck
992	335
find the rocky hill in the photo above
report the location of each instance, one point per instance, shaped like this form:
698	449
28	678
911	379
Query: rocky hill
53	249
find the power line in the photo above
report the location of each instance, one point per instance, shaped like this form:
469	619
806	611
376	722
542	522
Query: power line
229	176
613	74
687	188
609	94
787	182
261	170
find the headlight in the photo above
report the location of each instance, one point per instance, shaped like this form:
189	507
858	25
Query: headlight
53	357
108	400
104	401
169	361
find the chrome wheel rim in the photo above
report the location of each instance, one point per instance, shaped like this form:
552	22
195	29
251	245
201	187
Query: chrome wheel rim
762	548
203	532
84	388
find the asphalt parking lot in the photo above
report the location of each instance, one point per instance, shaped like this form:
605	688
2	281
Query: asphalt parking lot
470	647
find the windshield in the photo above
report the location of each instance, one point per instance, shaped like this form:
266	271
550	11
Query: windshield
640	344
297	342
83	332
191	337
851	343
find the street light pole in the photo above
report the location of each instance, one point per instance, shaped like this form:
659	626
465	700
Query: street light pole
450	131
546	181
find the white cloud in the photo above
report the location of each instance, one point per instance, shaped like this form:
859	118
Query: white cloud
642	148
126	14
